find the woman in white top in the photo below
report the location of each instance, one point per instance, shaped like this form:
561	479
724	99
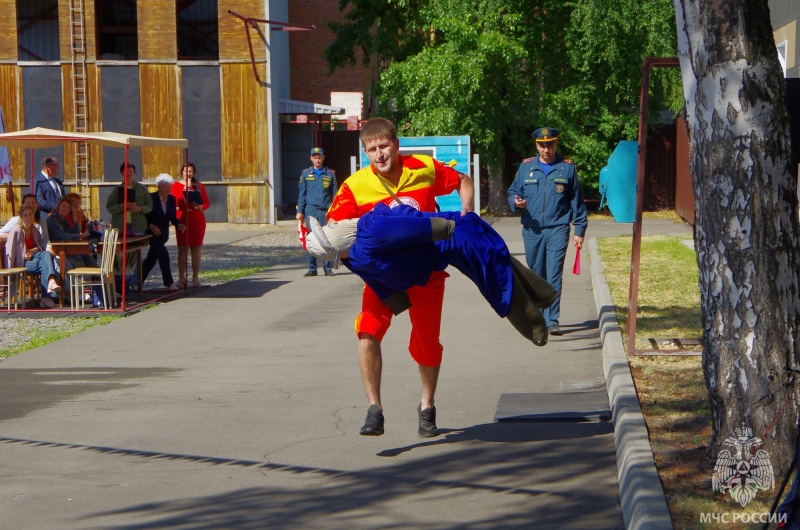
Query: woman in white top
24	248
39	222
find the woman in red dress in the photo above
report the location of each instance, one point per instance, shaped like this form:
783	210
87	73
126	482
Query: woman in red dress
192	200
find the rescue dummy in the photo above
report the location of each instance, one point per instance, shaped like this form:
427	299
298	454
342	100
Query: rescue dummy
393	249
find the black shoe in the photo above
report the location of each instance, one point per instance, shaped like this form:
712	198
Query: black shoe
555	331
427	422
328	273
373	425
310	273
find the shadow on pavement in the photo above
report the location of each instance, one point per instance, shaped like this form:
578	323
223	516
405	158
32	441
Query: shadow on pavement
316	497
57	385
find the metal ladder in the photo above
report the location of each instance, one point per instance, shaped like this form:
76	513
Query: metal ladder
79	100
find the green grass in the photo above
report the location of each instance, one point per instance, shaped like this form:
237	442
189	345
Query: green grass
67	327
669	296
671	390
227	275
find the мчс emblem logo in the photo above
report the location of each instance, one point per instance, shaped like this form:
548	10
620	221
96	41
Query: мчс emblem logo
745	471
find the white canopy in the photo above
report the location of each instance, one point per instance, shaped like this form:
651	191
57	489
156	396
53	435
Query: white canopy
42	137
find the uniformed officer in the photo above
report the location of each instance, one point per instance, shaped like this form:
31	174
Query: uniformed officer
317	188
549	194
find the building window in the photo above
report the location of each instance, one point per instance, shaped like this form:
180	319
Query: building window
117	37
198	25
37	30
782	56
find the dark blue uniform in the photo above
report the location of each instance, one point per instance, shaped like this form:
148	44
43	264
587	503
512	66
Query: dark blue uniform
554	199
315	197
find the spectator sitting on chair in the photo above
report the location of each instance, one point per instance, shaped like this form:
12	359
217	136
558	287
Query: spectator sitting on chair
40	223
60	229
77	215
25	248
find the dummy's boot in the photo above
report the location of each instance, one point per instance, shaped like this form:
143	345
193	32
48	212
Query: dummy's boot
442	228
525	316
541	293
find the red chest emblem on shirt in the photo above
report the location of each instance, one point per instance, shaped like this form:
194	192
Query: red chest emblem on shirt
560	188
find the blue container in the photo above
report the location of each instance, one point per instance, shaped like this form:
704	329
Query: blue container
618	181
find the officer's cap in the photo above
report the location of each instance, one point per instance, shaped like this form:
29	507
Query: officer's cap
545	134
317	151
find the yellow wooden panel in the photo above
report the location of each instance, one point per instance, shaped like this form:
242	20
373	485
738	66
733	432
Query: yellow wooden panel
94	204
159	93
11	102
90	23
95	119
8	30
248	203
157	27
64	39
232	39
244	124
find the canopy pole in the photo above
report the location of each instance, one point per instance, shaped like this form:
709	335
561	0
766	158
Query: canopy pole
124	229
32	185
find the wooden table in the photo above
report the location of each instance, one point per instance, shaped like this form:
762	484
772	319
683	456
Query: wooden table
80	247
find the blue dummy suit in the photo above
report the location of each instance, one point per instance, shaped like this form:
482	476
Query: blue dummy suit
394	251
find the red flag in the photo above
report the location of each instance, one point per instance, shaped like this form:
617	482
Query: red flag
576	268
301	233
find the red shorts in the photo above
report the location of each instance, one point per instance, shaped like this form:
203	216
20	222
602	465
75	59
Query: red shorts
425	314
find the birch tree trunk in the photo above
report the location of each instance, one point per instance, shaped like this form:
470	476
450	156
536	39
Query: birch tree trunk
746	231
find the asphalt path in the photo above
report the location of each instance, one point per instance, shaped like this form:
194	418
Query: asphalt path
239	407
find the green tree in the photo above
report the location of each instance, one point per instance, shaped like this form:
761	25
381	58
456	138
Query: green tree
497	69
598	105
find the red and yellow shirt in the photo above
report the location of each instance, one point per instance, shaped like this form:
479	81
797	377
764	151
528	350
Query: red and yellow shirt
423	179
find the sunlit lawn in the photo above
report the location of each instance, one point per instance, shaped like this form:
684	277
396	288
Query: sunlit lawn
671	390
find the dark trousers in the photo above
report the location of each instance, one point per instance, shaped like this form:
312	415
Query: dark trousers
158	252
545	251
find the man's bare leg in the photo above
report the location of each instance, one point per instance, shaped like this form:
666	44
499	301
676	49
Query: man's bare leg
429	376
370	362
427	412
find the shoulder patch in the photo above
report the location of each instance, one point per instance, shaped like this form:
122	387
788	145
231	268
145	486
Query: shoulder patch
529	160
568	161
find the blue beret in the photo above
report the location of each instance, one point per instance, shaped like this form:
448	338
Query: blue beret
545	134
317	151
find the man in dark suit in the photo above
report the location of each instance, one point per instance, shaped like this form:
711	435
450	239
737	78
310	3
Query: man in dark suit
48	189
158	220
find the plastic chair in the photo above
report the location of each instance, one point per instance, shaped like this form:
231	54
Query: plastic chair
15	277
82	277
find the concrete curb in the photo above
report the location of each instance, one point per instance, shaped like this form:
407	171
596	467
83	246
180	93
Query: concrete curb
642	499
